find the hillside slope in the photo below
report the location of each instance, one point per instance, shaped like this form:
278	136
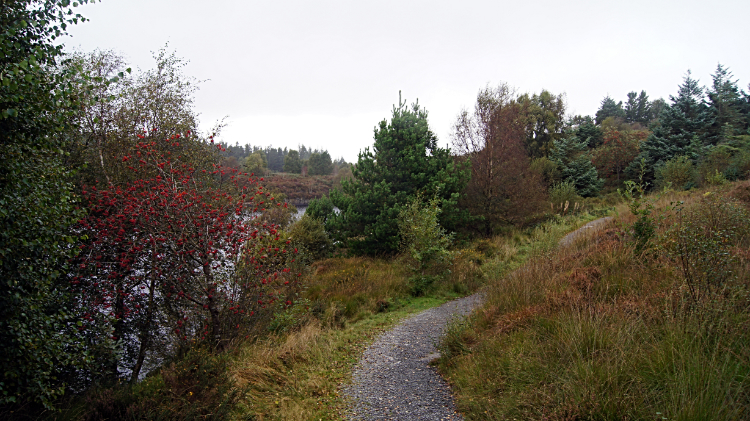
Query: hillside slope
621	325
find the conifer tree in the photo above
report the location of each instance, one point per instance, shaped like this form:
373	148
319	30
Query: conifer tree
590	133
292	162
574	162
726	104
320	163
609	108
688	117
637	109
405	160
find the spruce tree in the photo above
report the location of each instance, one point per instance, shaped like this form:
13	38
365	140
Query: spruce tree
609	108
727	106
591	134
637	109
643	113
688	117
405	161
572	158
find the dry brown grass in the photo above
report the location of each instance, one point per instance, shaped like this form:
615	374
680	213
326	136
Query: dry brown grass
279	389
295	375
598	331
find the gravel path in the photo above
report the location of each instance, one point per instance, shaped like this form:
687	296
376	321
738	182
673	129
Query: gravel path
591	226
393	380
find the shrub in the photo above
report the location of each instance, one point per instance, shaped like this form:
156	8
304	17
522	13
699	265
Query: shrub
678	172
564	192
290	318
715	162
453	342
702	240
419	285
716	179
422	238
320	209
310	235
548	169
739	166
644	227
197	386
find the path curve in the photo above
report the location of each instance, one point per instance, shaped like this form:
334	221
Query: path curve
393	380
591	226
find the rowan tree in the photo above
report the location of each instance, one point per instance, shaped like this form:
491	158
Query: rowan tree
164	246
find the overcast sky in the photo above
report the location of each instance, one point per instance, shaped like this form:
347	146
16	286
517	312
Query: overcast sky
324	73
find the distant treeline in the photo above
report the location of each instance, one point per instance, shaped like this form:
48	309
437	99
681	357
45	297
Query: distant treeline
303	160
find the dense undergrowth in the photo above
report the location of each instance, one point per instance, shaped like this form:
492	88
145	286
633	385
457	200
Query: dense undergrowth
625	324
614	326
291	366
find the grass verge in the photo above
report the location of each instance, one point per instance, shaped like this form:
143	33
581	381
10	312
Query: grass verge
295	376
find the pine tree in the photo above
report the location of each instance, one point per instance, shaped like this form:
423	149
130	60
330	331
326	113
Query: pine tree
405	160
